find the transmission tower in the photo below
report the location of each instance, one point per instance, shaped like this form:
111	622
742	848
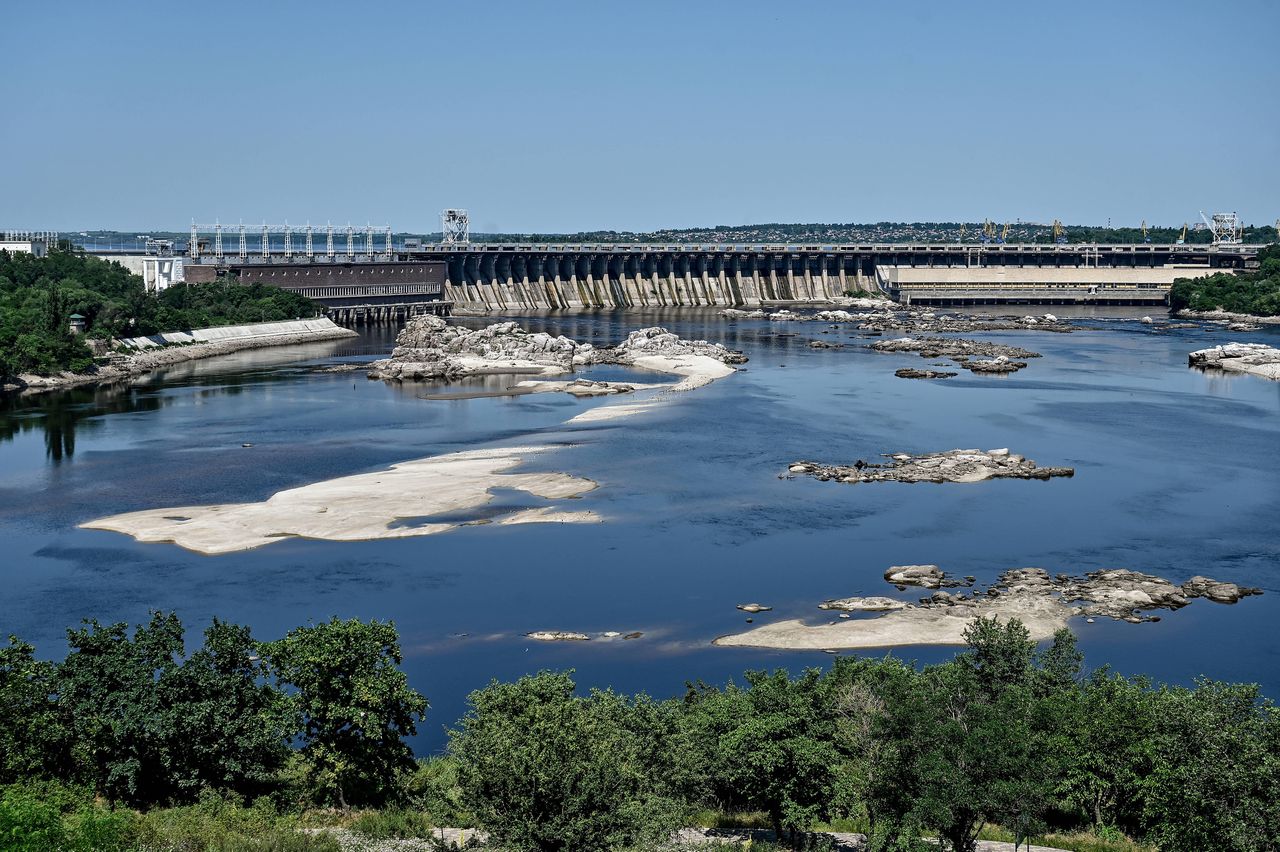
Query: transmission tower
455	226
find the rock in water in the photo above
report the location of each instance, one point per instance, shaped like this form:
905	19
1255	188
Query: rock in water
924	576
868	604
949	466
558	636
429	347
912	373
754	607
1255	358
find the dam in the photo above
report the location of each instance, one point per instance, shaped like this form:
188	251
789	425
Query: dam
533	276
384	281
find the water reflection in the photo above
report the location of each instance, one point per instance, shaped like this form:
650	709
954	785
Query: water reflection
63	413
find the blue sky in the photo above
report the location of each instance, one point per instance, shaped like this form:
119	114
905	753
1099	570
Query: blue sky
568	116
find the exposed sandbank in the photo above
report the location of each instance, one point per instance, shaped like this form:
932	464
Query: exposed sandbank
441	493
364	506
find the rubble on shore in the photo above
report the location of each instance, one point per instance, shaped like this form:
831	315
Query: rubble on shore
949	466
1042	602
1256	359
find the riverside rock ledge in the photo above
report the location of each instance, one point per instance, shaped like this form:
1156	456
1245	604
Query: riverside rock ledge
949	466
1257	359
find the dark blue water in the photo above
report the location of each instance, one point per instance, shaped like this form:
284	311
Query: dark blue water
1178	473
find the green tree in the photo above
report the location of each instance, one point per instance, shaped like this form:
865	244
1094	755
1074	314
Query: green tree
230	728
152	728
1215	770
772	747
33	740
354	705
544	769
963	745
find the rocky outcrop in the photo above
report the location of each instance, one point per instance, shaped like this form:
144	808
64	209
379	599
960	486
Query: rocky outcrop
1214	590
1042	602
912	373
586	387
428	347
657	341
734	313
990	357
558	636
867	604
924	576
1254	358
949	466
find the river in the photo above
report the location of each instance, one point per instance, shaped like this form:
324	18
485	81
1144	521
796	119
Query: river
1177	474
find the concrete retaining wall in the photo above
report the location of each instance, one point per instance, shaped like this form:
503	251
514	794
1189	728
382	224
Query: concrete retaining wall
307	328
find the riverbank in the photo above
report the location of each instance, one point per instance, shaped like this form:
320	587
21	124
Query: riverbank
163	350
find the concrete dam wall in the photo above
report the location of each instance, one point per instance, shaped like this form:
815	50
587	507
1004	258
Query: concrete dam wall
552	281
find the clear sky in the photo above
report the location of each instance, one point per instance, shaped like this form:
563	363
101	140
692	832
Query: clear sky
543	116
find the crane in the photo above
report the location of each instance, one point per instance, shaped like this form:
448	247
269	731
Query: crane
1059	232
963	231
1182	238
1004	232
1143	226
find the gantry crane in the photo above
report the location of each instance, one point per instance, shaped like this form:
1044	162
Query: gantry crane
1182	238
1059	232
1004	232
1143	226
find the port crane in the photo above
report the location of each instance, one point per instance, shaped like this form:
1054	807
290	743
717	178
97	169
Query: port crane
1182	238
1143	226
1059	233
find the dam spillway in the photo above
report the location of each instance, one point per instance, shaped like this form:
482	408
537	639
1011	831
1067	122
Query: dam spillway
535	276
397	282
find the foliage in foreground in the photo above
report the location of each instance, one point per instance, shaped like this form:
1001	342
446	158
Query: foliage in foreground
132	742
1256	293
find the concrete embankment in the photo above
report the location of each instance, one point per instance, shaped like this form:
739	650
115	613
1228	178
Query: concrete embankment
144	354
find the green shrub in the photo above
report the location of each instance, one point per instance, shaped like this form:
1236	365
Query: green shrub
548	770
30	822
217	825
433	787
397	823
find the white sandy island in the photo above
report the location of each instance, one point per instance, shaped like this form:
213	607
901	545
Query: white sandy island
364	506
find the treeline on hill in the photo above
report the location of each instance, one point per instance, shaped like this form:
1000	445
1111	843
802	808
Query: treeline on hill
1256	293
888	231
130	743
38	295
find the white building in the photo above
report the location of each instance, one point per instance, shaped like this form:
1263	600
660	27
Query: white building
157	271
37	247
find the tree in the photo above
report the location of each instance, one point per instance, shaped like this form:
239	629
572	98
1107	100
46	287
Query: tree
151	728
33	740
354	706
106	690
1106	749
963	746
771	747
1216	770
229	726
544	769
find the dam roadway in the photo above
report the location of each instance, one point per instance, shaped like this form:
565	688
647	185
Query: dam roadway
551	276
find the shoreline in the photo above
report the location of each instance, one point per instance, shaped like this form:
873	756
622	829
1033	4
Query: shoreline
144	361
